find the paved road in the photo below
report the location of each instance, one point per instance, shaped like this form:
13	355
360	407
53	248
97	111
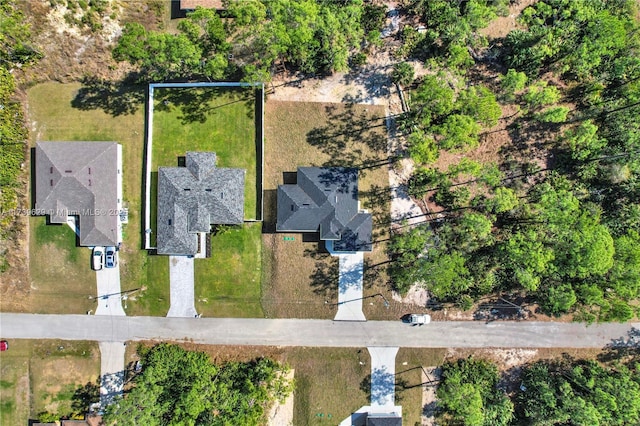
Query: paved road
294	332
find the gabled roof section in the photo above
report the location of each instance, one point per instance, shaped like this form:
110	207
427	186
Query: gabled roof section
79	178
194	197
325	199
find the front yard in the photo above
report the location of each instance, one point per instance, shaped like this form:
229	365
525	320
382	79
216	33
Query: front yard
54	376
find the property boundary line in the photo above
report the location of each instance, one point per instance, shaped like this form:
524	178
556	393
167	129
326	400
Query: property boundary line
149	146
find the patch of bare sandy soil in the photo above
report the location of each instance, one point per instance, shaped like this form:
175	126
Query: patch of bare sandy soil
502	25
72	51
281	414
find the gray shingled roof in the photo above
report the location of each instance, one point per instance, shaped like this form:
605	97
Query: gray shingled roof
79	178
325	199
192	198
390	419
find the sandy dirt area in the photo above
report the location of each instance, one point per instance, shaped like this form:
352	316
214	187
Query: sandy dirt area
282	414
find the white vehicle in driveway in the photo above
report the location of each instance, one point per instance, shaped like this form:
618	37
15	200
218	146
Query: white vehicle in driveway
419	319
97	259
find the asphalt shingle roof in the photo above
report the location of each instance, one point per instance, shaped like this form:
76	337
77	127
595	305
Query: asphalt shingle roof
79	178
194	197
325	199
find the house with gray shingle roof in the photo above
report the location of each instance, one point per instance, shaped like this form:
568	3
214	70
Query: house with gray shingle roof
194	197
81	179
325	200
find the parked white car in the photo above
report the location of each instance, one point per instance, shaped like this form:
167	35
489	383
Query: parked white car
97	259
419	319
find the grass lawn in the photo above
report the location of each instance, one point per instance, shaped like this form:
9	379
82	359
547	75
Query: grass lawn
215	119
300	276
409	379
228	283
46	375
60	271
328	383
53	117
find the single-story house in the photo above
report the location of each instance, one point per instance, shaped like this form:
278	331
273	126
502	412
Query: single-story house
82	180
325	200
194	197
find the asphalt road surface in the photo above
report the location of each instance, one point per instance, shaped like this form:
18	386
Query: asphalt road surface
304	332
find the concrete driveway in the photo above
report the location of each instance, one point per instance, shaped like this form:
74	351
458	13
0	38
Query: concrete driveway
351	269
383	378
112	371
109	297
181	279
350	288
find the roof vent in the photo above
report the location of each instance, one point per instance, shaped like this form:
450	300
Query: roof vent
187	189
50	169
222	195
306	204
208	189
68	171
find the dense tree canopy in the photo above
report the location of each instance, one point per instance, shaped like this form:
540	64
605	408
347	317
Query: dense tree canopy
563	233
469	396
549	393
579	392
180	387
309	35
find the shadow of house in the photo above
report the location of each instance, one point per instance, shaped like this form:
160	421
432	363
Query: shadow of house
83	180
325	200
194	197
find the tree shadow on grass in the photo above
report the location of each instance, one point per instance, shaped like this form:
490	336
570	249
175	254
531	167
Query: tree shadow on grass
348	133
85	396
196	103
115	98
325	276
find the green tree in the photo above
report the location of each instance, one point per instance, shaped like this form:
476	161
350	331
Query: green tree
448	276
541	94
557	300
469	396
556	114
513	82
422	147
179	387
432	98
406	251
403	73
503	200
459	132
480	103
